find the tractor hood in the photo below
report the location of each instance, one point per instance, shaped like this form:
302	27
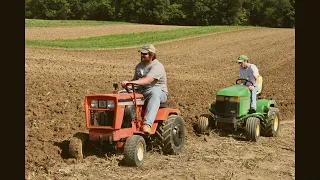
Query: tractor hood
234	90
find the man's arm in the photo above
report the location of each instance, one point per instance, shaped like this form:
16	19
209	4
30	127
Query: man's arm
257	80
256	74
143	81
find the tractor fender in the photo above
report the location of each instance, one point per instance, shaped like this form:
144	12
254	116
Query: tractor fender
263	105
163	113
257	114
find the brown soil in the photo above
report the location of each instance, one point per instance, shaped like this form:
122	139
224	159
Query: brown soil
52	33
58	80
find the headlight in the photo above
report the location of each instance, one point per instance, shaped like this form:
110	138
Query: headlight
94	104
102	104
106	104
110	104
234	99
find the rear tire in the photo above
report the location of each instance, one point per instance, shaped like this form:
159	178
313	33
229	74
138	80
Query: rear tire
134	150
170	135
270	127
77	145
253	129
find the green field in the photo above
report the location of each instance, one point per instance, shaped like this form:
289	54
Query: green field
29	23
121	40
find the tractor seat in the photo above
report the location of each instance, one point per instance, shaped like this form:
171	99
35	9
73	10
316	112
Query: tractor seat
259	92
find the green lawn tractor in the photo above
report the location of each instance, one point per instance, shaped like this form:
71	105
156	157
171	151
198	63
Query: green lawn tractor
232	111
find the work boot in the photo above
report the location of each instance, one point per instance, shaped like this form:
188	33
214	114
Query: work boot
252	110
146	129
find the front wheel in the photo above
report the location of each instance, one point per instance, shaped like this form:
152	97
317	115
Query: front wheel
252	129
77	145
135	150
204	123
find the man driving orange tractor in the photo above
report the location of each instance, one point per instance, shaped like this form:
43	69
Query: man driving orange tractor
150	74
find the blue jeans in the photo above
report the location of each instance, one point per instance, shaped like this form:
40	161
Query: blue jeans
153	97
254	97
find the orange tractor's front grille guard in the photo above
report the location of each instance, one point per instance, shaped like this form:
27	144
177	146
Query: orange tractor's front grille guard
100	117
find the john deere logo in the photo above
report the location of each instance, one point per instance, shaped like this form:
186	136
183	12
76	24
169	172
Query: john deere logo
226	98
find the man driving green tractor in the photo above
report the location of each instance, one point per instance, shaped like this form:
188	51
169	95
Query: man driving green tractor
250	71
237	106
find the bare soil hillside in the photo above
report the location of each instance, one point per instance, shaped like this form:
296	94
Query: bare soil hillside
52	33
58	80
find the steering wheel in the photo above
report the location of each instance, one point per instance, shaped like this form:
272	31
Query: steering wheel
243	81
130	87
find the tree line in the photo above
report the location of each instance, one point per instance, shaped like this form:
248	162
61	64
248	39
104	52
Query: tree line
267	13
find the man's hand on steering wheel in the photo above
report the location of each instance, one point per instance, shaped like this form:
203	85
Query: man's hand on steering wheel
129	85
251	87
124	83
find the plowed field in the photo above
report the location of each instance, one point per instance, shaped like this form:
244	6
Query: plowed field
58	80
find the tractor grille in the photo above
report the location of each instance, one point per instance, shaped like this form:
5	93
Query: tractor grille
227	109
101	118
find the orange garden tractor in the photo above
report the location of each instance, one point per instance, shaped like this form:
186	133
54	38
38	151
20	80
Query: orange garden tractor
114	121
